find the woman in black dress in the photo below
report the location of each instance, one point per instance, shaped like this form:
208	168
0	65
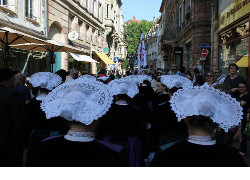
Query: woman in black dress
124	124
203	109
81	102
41	128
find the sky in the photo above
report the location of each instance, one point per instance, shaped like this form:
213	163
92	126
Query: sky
142	9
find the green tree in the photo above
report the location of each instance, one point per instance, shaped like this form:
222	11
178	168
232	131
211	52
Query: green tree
125	64
133	33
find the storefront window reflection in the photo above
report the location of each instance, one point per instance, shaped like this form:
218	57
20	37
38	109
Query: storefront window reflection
237	32
235	52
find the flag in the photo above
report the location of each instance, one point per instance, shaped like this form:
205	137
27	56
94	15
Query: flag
141	57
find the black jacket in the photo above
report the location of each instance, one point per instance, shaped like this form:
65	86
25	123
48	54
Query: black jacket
12	121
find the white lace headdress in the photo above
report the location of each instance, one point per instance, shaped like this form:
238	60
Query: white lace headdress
103	78
123	86
175	81
139	78
207	101
45	80
83	100
87	76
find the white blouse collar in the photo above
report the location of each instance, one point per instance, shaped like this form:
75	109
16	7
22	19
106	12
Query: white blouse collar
80	136
201	140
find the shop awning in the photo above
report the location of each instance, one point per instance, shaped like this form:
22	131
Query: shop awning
104	58
82	58
243	62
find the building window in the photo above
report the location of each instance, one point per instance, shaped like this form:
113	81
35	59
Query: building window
80	26
98	10
234	46
107	10
71	22
31	11
93	7
8	4
3	2
87	4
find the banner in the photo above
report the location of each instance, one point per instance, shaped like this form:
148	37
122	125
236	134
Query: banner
141	56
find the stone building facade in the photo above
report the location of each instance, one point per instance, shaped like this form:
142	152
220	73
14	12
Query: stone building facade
28	17
151	43
86	17
187	27
114	32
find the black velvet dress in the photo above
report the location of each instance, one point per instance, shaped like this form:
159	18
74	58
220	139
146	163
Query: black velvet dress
59	152
166	124
125	125
186	154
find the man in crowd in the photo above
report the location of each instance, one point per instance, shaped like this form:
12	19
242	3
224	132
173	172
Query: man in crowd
73	74
12	122
20	80
219	79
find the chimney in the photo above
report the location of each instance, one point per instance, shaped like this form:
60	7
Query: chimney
134	18
154	19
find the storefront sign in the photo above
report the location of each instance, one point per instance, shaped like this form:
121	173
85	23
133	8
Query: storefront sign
233	12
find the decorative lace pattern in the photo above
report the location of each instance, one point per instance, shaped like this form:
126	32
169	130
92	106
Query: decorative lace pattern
82	100
175	81
80	136
201	140
139	78
103	78
207	101
87	76
41	97
45	80
123	86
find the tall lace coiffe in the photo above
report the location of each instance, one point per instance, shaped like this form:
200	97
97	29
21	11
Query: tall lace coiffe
83	100
207	101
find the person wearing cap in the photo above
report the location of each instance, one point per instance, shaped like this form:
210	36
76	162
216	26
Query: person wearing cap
81	102
12	122
204	112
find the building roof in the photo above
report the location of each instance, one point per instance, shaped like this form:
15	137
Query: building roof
133	20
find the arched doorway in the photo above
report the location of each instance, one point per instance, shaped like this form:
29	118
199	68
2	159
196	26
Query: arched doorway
55	33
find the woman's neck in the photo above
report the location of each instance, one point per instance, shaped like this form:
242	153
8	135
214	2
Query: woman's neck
233	76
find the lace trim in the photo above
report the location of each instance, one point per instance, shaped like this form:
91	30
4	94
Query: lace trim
45	80
41	97
123	86
139	78
207	101
122	103
85	100
80	136
175	81
201	140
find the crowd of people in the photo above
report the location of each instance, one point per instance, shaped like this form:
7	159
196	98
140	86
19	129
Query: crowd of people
159	118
